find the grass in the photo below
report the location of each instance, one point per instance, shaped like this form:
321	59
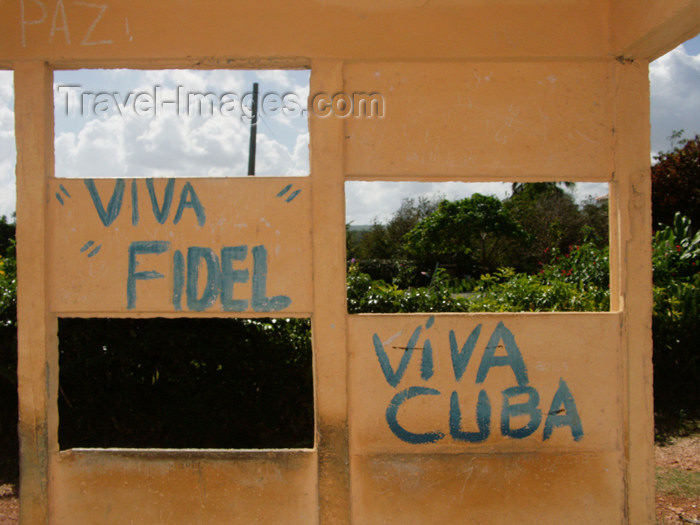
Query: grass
680	482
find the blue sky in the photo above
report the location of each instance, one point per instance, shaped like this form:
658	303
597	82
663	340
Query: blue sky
91	142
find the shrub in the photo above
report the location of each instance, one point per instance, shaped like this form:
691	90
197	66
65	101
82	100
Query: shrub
676	319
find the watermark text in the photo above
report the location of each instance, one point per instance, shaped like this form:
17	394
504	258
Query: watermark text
74	101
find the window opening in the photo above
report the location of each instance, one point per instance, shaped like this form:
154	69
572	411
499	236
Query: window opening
9	446
179	123
424	247
185	383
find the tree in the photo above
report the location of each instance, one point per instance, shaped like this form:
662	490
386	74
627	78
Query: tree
541	187
675	182
385	241
551	219
379	250
594	213
676	319
468	234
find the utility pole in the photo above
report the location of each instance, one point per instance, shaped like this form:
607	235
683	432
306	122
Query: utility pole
253	132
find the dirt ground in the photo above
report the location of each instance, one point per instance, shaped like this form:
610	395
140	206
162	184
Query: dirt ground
671	509
9	506
682	454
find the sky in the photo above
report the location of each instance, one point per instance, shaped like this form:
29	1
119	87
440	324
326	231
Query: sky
126	123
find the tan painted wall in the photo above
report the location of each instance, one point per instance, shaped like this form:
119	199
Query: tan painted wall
244	224
516	90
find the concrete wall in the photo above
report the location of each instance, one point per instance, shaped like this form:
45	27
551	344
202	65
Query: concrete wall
528	418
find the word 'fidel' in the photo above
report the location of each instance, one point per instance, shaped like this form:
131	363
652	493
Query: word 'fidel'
516	401
201	276
218	283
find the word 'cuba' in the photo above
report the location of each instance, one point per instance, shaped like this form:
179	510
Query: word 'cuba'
519	400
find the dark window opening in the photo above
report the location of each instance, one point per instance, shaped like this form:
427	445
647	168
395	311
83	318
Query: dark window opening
185	383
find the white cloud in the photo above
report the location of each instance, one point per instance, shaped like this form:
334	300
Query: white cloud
675	97
300	157
96	151
7	145
188	140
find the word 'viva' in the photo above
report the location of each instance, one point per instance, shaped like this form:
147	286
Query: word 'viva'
519	400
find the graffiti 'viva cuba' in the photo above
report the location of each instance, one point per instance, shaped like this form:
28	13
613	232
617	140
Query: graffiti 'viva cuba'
562	410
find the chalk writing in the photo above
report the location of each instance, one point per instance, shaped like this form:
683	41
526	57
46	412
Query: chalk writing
36	13
519	403
87	40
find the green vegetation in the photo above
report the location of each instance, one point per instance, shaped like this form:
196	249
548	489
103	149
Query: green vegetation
676	317
684	483
535	251
675	181
576	281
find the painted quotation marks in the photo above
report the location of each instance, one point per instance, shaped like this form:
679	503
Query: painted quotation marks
89	245
291	196
64	191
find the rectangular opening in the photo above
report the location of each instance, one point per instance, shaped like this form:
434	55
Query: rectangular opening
9	448
477	247
185	383
119	123
8	151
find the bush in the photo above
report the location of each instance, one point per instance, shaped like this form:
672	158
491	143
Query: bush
506	291
676	320
366	295
577	281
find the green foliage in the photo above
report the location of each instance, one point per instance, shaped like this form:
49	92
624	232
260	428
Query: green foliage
676	251
385	241
469	234
401	272
676	320
676	481
675	181
506	291
8	275
587	268
552	220
577	281
366	295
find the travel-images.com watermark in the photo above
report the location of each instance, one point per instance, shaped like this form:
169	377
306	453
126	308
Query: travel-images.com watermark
76	102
